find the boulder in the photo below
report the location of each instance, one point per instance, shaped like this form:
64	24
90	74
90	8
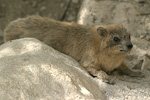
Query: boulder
11	10
131	13
31	70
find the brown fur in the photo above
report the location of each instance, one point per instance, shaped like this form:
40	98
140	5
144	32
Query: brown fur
96	52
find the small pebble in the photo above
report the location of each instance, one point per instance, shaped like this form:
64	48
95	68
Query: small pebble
71	18
148	37
142	36
26	2
146	62
43	8
62	5
140	1
3	5
75	1
34	4
2	15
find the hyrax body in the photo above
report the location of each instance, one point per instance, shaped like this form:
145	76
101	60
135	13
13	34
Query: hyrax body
99	49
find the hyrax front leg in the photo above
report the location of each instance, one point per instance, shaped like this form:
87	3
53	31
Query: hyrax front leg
123	69
100	74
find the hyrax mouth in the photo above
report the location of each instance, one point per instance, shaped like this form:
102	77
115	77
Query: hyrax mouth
124	50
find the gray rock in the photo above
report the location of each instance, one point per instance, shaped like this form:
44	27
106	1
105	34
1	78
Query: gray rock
31	70
148	37
75	1
12	10
1	33
42	8
127	12
146	63
71	18
142	36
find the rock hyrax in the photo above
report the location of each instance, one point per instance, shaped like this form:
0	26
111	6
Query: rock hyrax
99	49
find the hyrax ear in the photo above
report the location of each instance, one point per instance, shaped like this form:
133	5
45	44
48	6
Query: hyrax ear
102	31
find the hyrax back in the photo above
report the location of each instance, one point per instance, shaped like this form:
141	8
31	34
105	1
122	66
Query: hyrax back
99	49
68	38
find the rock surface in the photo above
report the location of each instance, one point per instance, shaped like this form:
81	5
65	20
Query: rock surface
131	13
127	88
12	10
31	70
65	10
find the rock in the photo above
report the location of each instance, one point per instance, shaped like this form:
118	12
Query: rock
127	12
71	18
146	63
34	4
140	49
75	1
11	10
31	70
3	5
141	1
142	36
42	8
148	37
1	37
1	33
138	65
62	5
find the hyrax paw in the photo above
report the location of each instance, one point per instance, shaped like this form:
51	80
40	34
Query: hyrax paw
105	78
109	80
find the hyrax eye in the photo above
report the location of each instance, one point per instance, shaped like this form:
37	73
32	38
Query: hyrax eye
116	39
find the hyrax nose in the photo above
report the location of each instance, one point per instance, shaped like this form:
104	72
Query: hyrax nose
129	46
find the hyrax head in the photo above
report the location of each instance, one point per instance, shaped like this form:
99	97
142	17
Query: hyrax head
115	38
